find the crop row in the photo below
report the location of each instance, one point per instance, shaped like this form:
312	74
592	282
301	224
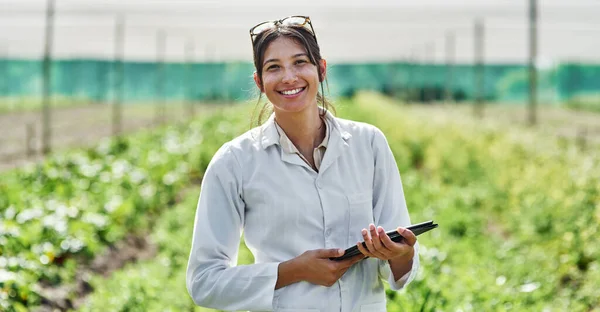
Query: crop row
56	217
518	215
519	212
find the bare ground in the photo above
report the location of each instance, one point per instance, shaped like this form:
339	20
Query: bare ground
76	127
131	249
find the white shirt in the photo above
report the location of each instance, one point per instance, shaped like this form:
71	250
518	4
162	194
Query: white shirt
318	152
285	208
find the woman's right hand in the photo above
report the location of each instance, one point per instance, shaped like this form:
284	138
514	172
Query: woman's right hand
314	266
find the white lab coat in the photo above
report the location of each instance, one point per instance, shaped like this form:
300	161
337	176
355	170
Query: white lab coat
285	208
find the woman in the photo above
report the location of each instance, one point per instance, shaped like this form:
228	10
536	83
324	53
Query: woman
303	186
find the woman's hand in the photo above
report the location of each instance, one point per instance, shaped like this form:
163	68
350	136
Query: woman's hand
381	246
315	267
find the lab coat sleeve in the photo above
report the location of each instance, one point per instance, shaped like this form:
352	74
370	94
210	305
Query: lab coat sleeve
213	280
389	204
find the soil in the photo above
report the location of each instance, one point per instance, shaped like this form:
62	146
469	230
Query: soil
75	127
130	250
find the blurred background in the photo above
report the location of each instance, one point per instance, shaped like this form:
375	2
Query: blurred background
75	72
93	54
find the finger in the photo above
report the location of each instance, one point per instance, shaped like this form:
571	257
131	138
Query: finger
368	242
389	249
370	245
352	260
375	237
388	242
409	236
329	253
356	259
363	250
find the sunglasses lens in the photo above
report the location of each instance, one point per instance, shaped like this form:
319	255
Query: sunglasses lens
298	21
262	27
294	21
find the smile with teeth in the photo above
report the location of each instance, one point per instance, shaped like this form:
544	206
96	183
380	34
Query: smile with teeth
291	92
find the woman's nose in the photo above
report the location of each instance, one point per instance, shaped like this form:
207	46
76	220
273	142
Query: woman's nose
289	76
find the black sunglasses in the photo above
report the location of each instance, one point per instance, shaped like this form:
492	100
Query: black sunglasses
296	20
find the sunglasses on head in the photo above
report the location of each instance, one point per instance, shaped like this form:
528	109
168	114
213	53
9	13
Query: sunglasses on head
298	21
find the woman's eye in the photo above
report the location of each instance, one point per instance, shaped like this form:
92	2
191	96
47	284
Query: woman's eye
300	61
272	67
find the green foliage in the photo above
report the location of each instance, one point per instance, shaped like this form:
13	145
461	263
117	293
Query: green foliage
587	102
158	284
519	214
518	219
62	213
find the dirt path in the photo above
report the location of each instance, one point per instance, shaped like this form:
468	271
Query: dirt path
133	248
75	127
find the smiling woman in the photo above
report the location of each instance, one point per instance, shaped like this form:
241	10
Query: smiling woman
298	42
302	187
288	78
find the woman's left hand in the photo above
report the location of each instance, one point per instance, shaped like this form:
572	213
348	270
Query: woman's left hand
381	246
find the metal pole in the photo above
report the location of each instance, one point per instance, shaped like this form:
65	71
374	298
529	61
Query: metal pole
4	80
450	54
429	64
393	70
479	82
420	62
100	82
415	76
189	51
76	81
533	38
414	95
29	140
47	75
117	107
160	79
401	74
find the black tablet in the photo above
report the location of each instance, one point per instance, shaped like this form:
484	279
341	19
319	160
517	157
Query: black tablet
417	229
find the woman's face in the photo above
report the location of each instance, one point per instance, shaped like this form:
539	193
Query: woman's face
289	80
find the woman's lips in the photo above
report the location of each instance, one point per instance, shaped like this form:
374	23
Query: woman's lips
299	91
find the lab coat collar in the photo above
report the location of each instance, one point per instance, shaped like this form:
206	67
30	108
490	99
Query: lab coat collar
269	135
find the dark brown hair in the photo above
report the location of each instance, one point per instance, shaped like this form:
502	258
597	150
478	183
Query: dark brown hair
301	36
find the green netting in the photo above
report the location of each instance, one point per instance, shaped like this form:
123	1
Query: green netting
507	83
94	80
577	79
